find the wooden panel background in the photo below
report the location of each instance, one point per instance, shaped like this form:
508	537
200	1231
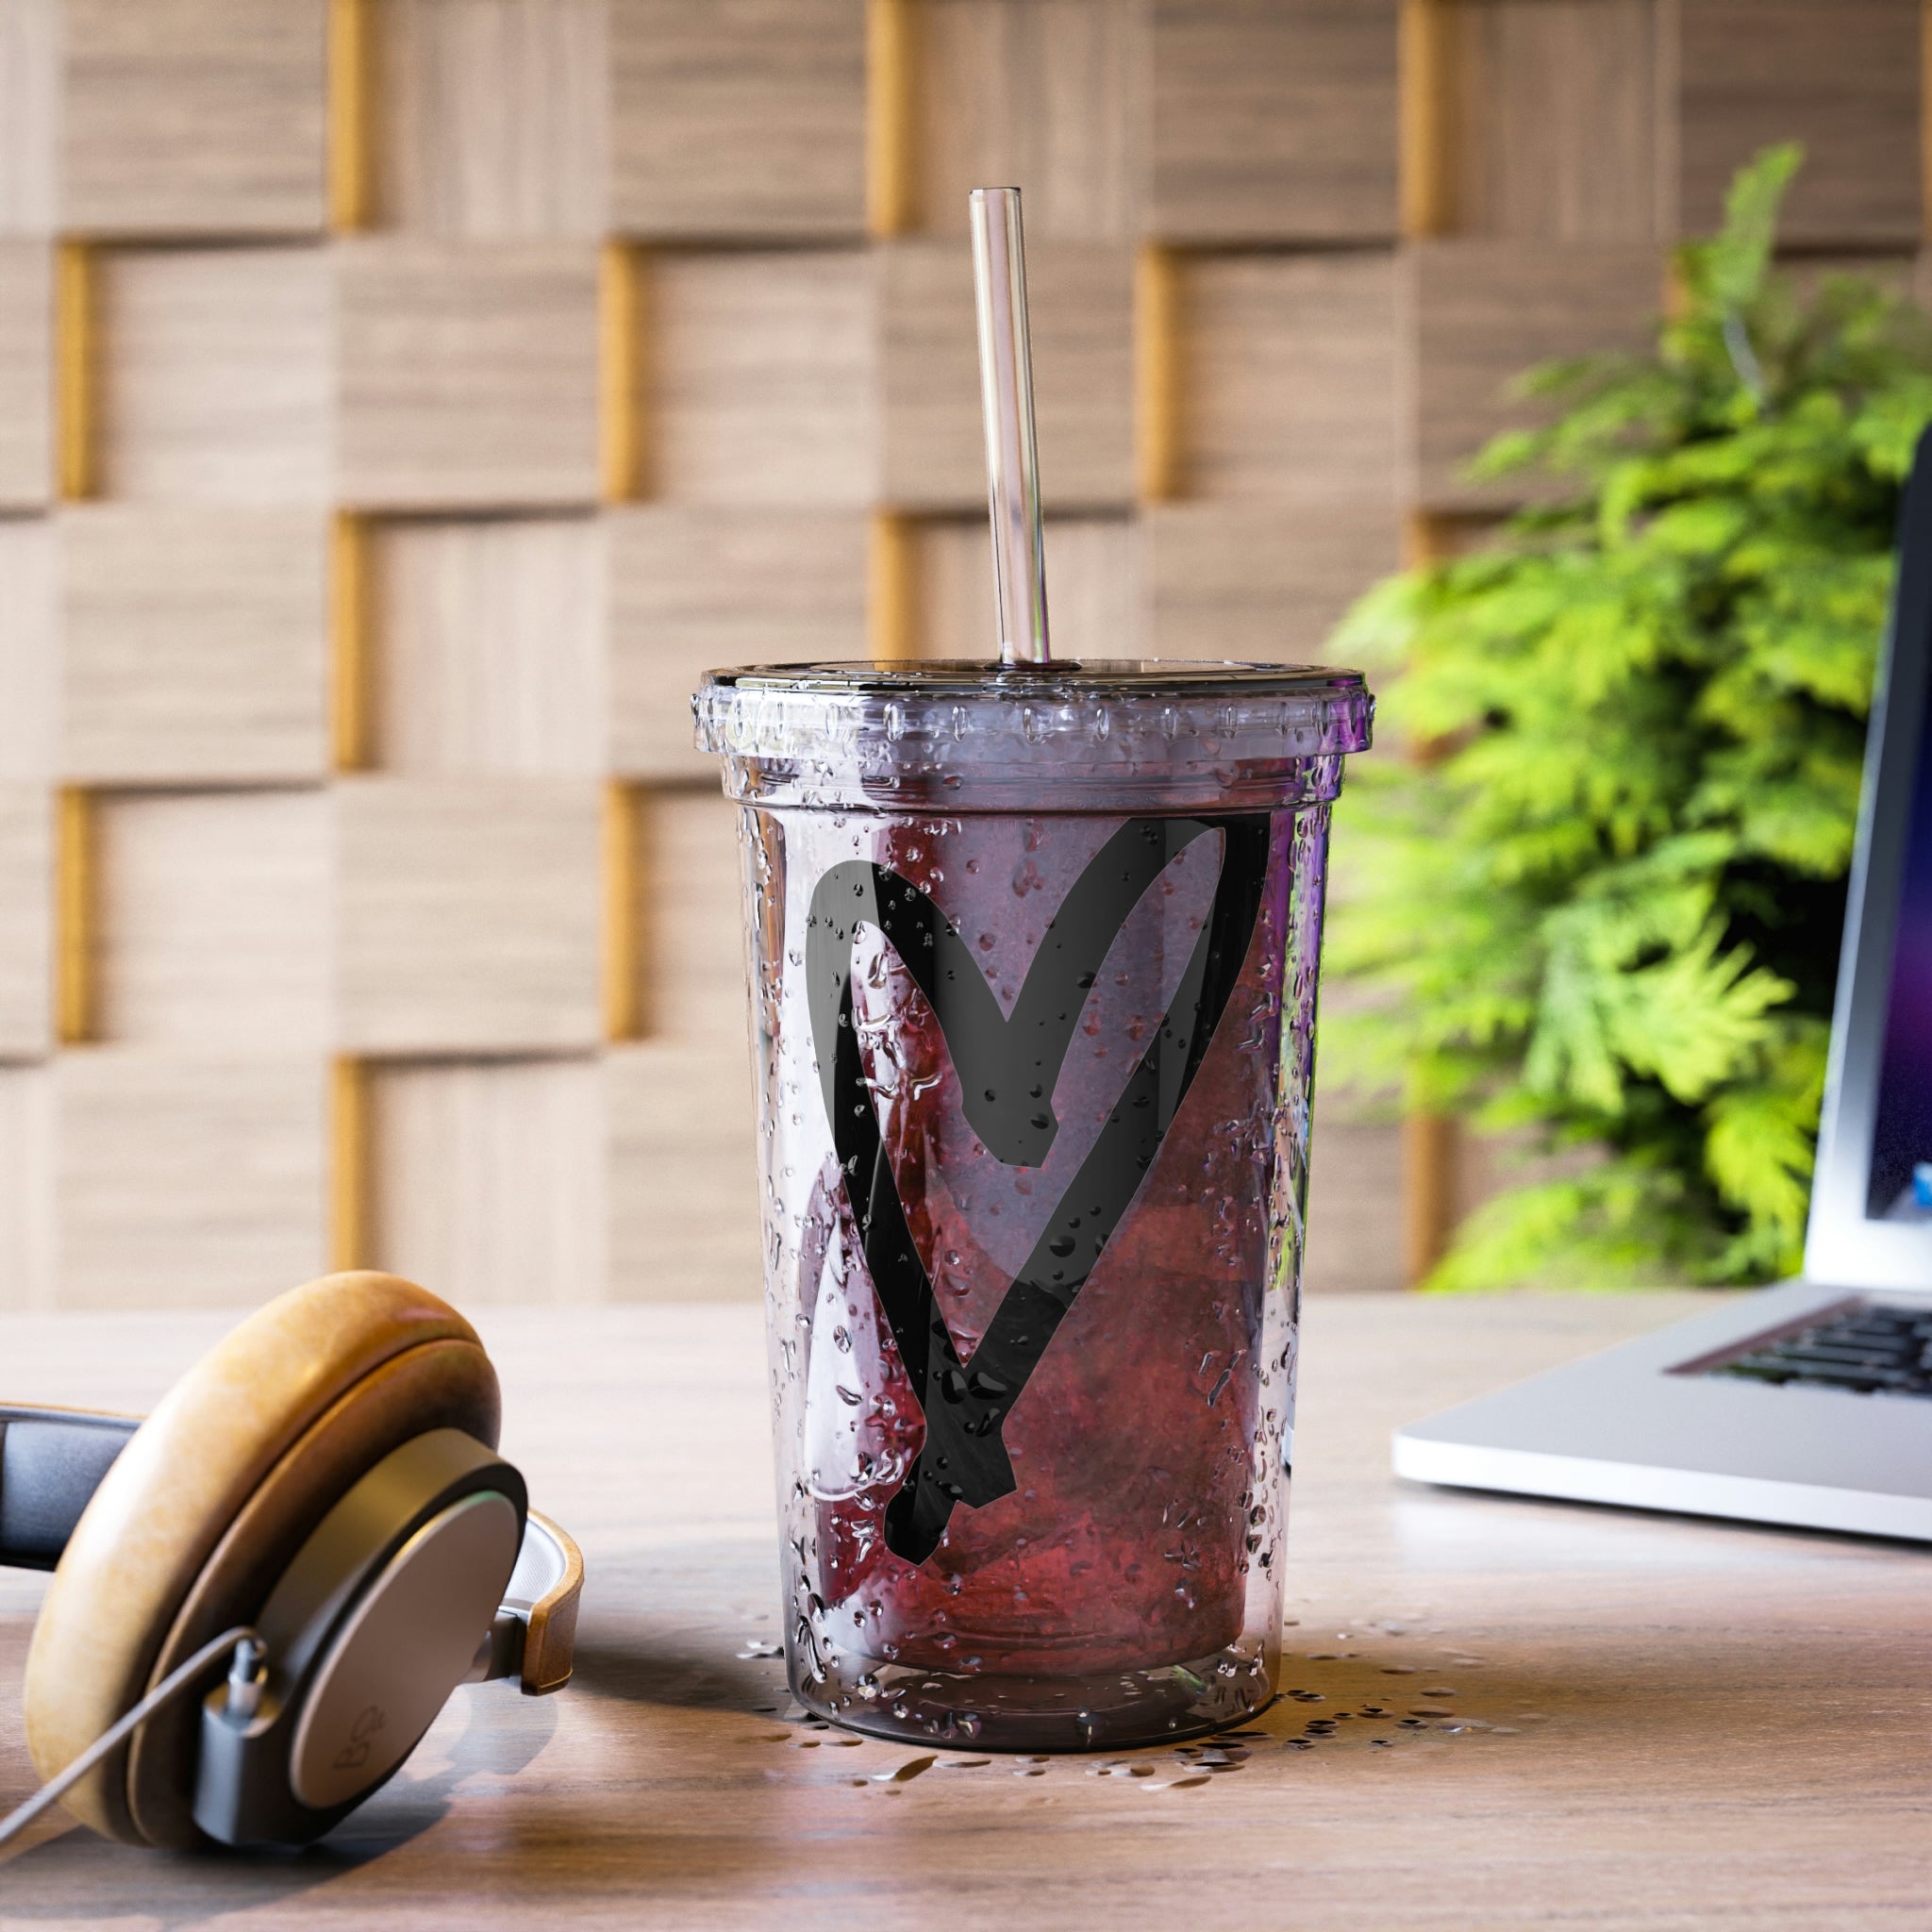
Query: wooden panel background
401	401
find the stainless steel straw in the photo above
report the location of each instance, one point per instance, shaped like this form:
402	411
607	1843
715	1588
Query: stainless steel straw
1006	391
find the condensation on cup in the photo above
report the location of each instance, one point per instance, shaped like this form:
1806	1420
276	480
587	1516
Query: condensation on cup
1033	954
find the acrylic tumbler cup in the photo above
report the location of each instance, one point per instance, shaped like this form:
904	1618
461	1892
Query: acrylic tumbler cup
1033	957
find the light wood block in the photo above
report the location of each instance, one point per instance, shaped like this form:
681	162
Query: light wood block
192	643
187	1179
490	117
1274	120
468	918
26	920
1242	580
26	375
492	1180
1842	76
1094	588
193	117
738	116
1081	303
215	374
28	1277
1555	122
693	945
953	614
213	920
693	589
29	114
1355	1205
29	660
683	1184
489	651
1481	314
1047	93
761	371
1288	368
468	374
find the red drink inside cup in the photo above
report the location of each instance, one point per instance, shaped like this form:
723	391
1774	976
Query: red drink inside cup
1034	959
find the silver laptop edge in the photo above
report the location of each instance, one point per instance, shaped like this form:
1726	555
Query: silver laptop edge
1643	1425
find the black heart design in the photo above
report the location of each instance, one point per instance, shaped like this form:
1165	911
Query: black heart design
1002	1063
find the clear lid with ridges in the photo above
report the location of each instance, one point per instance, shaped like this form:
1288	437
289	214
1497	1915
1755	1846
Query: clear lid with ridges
1093	733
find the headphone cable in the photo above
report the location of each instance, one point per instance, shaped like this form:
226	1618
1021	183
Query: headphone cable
246	1645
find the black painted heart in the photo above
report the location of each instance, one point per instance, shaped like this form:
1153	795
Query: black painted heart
1004	1061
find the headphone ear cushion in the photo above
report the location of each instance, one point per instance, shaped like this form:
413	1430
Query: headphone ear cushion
209	1501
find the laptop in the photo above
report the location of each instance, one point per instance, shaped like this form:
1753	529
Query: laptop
1809	1403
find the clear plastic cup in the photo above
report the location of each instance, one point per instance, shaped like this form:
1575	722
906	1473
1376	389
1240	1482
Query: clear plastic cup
1033	959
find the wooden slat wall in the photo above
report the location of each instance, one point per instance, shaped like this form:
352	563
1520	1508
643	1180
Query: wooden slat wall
402	400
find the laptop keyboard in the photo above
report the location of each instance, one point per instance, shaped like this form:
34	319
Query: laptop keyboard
1869	1349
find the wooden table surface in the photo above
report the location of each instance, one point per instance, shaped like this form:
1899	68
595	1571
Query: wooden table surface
1669	1723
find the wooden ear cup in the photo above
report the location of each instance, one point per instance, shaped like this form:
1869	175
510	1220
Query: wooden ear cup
208	1502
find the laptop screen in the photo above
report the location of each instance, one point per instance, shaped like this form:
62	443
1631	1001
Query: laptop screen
1900	1187
1871	1195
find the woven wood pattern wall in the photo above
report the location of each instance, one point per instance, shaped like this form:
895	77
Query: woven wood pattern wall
402	400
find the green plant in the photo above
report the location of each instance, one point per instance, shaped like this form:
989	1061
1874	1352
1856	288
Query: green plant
1607	910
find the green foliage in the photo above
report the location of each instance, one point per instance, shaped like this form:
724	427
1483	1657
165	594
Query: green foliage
1608	911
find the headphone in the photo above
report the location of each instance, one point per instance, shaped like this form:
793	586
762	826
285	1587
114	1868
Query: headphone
318	1503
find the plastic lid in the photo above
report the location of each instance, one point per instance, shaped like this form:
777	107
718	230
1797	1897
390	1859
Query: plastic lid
1073	735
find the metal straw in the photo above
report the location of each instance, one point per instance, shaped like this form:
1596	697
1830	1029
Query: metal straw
1006	391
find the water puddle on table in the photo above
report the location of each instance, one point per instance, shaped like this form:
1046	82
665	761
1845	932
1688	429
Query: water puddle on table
1384	1689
